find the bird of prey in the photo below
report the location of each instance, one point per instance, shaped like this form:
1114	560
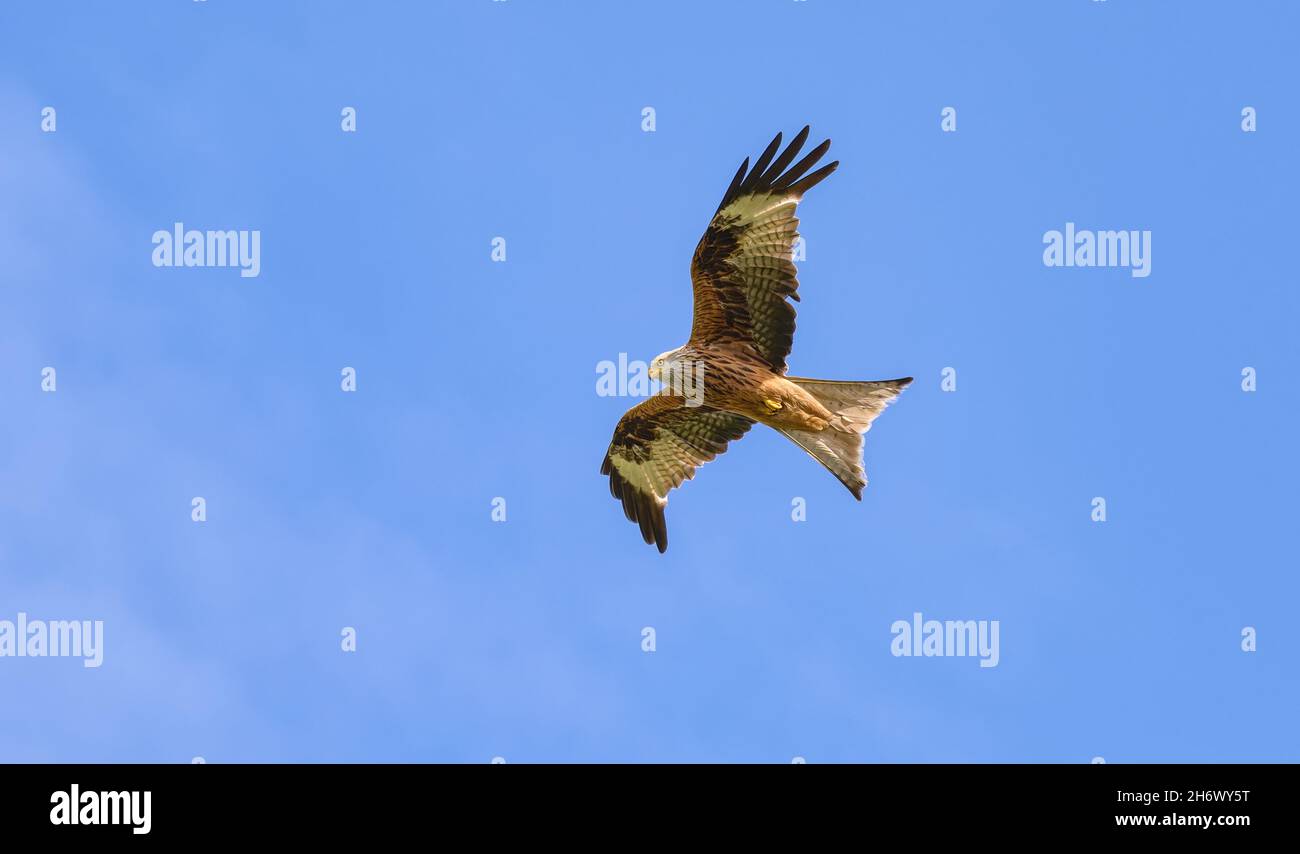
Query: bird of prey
732	372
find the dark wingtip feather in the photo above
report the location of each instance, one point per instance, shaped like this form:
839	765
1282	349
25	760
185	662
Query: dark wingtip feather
791	151
769	175
661	528
805	184
796	172
760	165
647	526
639	508
734	186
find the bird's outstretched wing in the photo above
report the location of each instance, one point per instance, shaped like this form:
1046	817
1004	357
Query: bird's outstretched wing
657	444
741	271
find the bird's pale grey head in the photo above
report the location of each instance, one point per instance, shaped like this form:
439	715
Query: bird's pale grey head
663	366
680	372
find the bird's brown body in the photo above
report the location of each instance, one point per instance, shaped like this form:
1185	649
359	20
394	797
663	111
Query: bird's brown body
745	386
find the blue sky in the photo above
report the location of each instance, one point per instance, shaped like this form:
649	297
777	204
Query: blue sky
476	380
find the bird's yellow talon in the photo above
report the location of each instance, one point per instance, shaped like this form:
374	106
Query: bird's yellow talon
772	405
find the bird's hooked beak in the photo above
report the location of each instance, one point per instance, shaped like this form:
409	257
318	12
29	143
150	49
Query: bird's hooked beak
654	371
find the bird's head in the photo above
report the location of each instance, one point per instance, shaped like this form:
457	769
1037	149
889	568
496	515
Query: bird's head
661	366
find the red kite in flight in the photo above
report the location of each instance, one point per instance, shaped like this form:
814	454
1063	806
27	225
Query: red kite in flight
732	371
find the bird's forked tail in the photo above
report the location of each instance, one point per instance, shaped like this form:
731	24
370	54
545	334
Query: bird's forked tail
855	405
